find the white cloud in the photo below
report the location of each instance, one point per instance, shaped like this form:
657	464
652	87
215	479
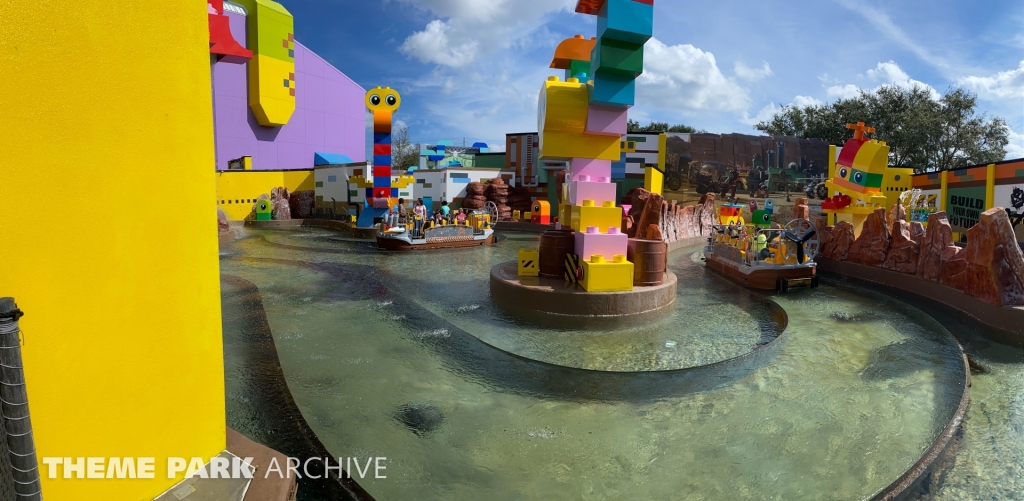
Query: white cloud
1005	84
475	29
433	46
752	74
764	115
804	101
1015	149
684	78
887	73
890	73
848	91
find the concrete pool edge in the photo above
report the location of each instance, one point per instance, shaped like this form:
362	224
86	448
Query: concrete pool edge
281	396
935	454
1009	321
551	296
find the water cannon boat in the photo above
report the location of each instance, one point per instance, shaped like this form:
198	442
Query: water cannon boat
765	258
476	231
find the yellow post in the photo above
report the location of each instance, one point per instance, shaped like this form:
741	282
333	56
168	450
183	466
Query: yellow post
990	186
123	348
944	187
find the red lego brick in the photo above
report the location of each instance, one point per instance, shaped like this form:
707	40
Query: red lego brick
382	171
382	149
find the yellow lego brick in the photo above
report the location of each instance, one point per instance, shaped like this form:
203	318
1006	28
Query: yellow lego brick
528	262
603	276
402	182
604	217
563	106
565	214
515	215
360	182
653	180
561	145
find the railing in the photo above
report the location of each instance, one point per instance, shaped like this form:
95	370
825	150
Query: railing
24	467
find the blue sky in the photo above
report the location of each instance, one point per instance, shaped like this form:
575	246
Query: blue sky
472	68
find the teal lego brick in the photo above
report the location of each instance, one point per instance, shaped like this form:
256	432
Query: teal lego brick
626	20
617	57
612	90
577	67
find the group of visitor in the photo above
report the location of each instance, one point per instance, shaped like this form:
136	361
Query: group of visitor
446	215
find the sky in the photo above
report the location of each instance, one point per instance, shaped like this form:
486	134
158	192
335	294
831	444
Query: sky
470	70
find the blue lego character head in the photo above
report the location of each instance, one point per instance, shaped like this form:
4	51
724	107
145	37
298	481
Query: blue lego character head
761	219
769	205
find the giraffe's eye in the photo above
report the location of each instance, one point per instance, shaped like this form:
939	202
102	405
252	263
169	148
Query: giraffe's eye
391	100
375	100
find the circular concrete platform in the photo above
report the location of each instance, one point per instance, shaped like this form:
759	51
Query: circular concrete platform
557	297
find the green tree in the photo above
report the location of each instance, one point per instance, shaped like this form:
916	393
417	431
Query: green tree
921	132
403	153
634	127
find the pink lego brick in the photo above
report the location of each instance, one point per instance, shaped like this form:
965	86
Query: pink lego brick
600	190
588	167
593	242
603	121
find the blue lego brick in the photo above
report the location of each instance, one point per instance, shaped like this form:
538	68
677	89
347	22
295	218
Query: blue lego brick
330	159
394	192
381	182
618	170
612	91
369	193
381	138
379	160
626	20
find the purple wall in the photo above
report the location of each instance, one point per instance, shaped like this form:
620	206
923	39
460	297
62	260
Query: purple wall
329	117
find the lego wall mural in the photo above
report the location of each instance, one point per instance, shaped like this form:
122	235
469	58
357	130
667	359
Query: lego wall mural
703	162
271	36
967	192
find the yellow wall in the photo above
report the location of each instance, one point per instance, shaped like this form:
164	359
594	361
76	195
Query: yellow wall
245	186
109	104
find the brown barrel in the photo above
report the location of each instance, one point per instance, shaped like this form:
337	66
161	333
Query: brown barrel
554	245
650	261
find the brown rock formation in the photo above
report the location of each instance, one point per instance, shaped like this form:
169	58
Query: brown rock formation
838	241
800	210
904	251
936	247
279	198
222	221
995	264
954	268
872	245
654	232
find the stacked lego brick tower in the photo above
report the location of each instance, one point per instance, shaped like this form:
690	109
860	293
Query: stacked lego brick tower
581	120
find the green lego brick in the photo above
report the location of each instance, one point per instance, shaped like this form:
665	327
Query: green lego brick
617	57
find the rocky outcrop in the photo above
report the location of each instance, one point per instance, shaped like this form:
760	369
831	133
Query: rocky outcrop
497	191
837	241
872	246
672	221
302	203
801	210
904	251
936	247
990	267
994	262
475	198
222	221
279	197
